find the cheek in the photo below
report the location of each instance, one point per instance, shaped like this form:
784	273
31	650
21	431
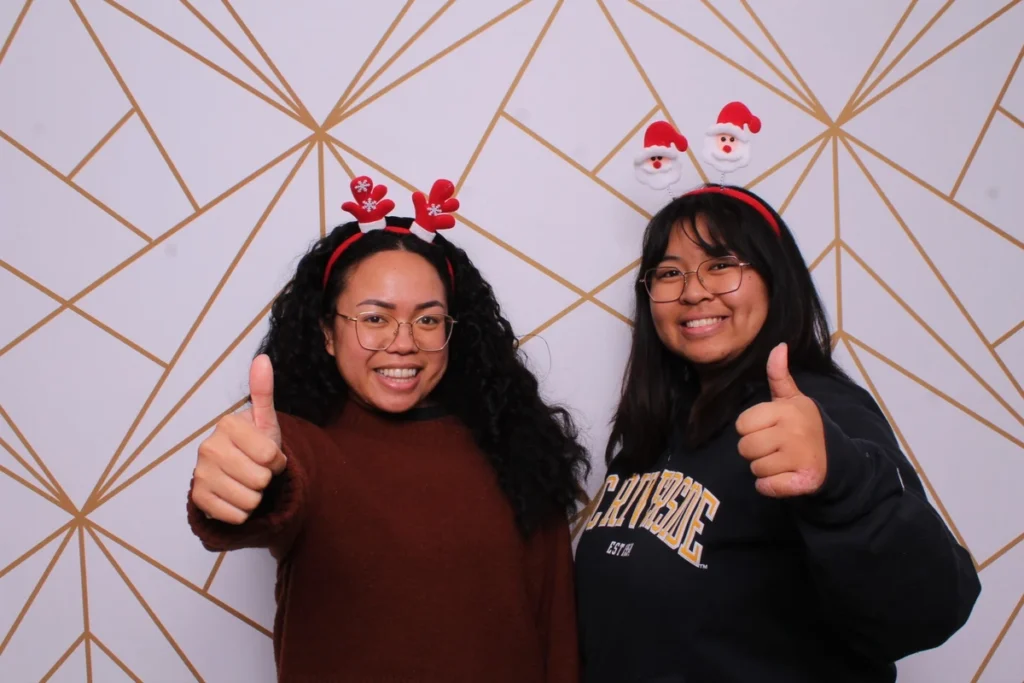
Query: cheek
664	321
349	355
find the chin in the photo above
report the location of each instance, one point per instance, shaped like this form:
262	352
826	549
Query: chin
395	403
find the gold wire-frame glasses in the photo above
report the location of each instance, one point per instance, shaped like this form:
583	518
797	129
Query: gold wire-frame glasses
720	275
377	331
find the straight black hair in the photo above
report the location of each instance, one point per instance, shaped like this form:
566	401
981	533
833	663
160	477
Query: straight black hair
661	388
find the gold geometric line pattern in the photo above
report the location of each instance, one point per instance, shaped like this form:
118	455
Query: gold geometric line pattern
390	60
62	496
508	96
199	319
64	657
803	176
36	548
1009	115
844	112
999	639
103	140
931	60
24	482
852	106
77	188
85	605
369	59
213	572
114	658
135	104
50	493
988	122
1012	331
14	30
625	140
1002	551
788	158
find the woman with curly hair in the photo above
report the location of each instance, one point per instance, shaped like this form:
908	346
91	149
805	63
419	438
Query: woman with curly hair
399	463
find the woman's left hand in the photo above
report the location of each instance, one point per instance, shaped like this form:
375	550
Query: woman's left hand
784	439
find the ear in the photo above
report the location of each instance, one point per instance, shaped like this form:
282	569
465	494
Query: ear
328	339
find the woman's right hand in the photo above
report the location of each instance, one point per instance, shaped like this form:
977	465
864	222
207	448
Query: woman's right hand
237	462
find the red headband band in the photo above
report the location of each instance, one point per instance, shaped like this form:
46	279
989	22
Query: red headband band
743	197
371	209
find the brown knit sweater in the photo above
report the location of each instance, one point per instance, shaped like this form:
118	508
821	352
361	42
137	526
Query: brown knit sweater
399	559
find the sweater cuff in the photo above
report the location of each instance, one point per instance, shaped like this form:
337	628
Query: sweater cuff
283	501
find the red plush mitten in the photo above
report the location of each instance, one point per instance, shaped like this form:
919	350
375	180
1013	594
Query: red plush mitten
434	213
369	207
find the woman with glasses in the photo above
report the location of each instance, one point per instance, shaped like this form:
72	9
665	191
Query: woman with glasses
401	466
758	521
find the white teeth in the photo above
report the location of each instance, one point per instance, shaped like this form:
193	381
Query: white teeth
399	373
703	322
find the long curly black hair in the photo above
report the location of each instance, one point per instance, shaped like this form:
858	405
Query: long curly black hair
533	447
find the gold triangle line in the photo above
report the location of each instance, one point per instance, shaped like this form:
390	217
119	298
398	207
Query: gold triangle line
77	188
625	139
114	658
369	59
62	495
51	493
733	63
63	658
650	85
861	108
94	529
392	59
106	494
240	55
908	450
142	601
35	591
304	113
753	48
935	390
85	605
440	55
803	176
985	127
1005	112
508	96
153	244
64	304
103	496
341	161
952	202
839	260
14	30
320	185
1014	330
135	104
213	572
207	62
821	257
850	107
878	58
1002	551
942	280
195	325
37	547
999	639
27	484
589	296
479	230
99	145
576	165
935	335
793	155
820	113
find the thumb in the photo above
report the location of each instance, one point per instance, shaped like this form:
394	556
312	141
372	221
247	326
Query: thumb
780	381
261	392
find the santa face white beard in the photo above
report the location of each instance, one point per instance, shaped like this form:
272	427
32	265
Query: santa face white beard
668	173
722	162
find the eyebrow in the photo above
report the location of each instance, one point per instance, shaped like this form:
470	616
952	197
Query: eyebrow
390	306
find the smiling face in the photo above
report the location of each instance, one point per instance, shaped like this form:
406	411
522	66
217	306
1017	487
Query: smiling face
704	327
406	288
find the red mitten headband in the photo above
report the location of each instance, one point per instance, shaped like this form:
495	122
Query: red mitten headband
371	209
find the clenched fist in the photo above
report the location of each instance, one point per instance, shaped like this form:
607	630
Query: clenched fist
237	461
784	439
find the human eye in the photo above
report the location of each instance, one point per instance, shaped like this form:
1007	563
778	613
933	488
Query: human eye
429	320
374	319
667	273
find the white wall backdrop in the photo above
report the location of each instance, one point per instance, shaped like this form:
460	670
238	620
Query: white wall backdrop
163	163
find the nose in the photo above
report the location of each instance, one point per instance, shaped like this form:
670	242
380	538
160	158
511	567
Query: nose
693	290
403	342
727	149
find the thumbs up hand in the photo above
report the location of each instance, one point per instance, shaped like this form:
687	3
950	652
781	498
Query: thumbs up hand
784	439
237	462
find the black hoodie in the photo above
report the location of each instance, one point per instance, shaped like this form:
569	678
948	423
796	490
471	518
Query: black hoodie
686	574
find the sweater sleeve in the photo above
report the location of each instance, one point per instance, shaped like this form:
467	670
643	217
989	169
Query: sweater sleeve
893	577
276	522
552	566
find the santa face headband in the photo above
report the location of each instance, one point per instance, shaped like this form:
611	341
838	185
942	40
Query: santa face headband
371	209
727	146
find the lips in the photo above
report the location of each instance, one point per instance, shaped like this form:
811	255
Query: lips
398	373
699	323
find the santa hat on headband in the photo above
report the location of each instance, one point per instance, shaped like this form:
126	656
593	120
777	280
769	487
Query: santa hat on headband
661	140
736	119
